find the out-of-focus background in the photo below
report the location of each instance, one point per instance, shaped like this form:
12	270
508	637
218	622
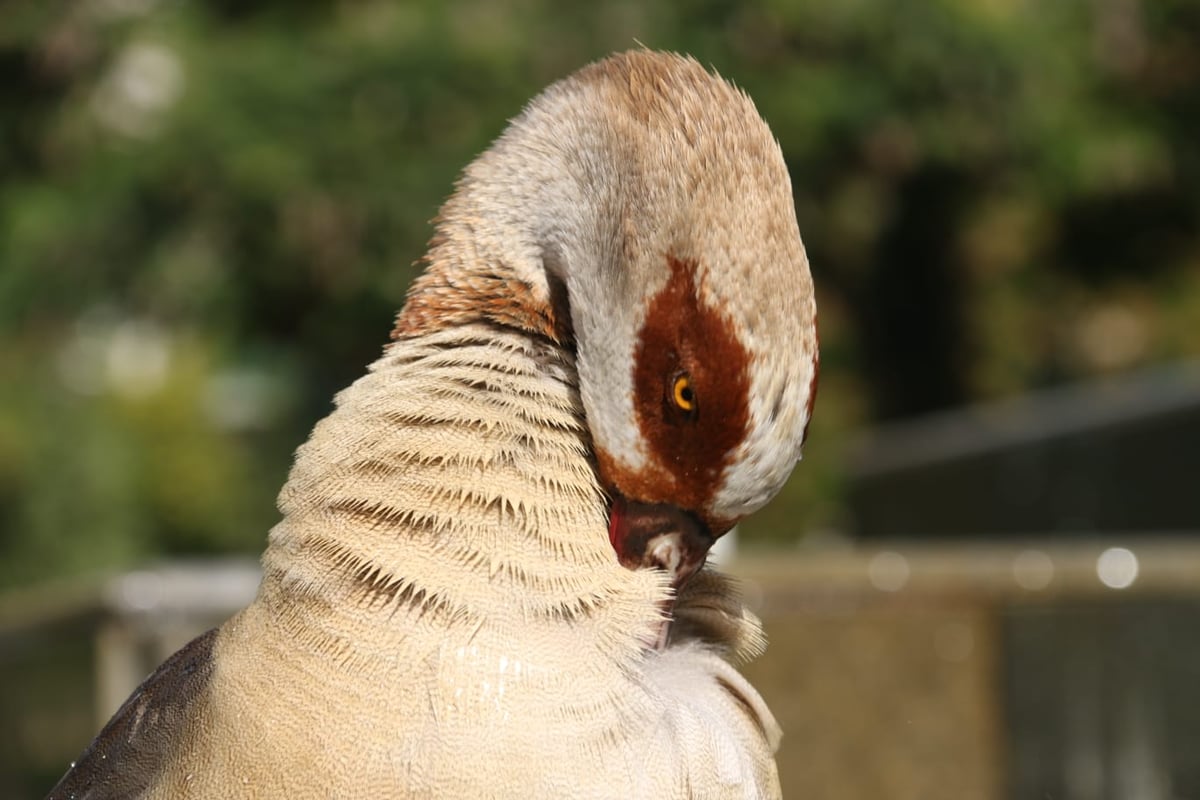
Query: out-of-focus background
984	579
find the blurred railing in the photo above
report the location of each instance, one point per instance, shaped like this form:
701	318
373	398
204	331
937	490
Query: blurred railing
917	671
71	653
1064	671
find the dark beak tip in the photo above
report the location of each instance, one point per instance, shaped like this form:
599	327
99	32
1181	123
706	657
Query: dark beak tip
659	536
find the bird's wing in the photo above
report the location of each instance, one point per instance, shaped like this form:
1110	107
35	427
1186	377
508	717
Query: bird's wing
127	756
710	609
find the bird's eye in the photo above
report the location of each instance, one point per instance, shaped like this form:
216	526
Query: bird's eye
682	393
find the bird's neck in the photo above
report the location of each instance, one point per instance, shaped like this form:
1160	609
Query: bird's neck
457	479
524	230
454	481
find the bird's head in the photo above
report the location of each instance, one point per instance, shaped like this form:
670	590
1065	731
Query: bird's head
693	315
644	200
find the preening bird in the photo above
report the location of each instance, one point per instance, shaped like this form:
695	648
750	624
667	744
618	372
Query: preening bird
487	580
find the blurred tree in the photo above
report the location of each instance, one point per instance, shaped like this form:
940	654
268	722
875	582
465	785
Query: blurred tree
209	213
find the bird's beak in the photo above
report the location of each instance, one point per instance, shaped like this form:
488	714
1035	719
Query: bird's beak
658	535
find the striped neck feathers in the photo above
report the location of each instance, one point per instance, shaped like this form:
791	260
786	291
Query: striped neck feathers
456	477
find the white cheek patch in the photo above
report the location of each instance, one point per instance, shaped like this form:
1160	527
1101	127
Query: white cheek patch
610	408
606	330
762	463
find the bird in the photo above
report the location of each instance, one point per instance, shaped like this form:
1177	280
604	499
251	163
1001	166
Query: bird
488	576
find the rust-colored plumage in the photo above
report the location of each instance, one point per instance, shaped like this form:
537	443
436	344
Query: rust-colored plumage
683	333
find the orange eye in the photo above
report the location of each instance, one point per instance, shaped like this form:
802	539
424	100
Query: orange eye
683	394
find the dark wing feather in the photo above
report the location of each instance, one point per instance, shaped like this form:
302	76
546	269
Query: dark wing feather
126	757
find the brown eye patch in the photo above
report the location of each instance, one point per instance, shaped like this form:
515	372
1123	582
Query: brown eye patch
691	349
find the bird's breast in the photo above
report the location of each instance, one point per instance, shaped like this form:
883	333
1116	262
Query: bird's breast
442	609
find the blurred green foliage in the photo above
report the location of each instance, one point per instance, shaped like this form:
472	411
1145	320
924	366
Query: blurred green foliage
209	213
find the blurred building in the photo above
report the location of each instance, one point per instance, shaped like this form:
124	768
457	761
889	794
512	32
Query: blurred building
1095	688
1118	456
